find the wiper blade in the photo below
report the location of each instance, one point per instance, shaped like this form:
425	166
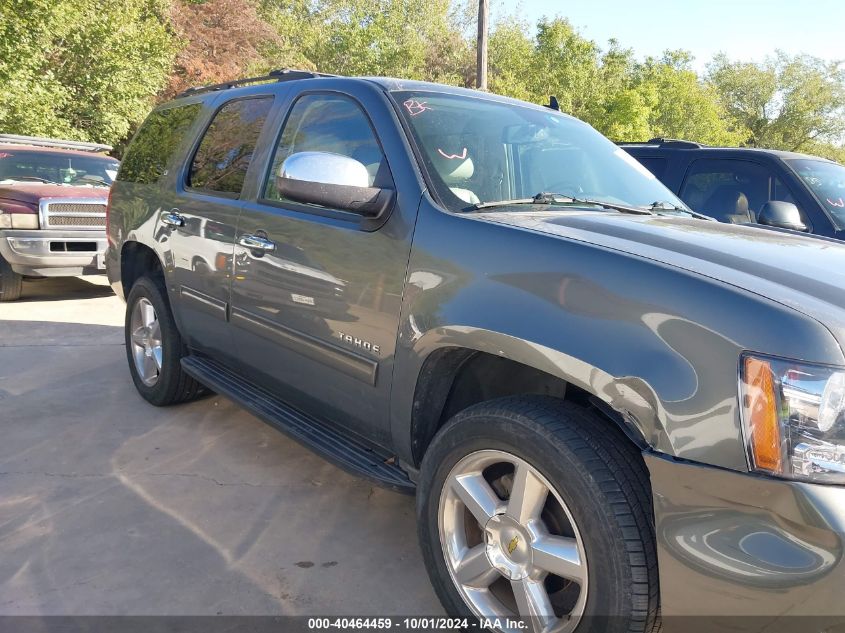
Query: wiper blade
562	198
668	206
35	178
506	203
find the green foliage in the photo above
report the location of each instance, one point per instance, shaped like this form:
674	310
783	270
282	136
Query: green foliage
91	69
83	69
510	56
791	103
413	39
621	98
681	105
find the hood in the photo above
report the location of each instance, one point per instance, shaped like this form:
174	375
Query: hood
32	192
803	272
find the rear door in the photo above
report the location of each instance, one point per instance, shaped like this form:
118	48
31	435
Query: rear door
316	318
200	219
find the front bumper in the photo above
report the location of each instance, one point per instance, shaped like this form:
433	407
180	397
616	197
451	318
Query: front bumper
53	253
749	553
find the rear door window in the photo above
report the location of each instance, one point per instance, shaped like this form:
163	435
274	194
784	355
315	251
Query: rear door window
161	134
221	161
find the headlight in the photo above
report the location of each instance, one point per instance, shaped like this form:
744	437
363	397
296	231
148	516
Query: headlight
793	418
12	220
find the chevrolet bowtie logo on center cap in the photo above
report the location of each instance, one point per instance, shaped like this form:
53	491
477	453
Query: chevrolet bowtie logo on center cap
512	544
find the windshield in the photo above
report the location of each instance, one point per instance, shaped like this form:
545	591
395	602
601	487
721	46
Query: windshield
827	181
57	167
477	151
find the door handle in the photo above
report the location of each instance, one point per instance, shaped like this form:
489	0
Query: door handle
172	218
257	243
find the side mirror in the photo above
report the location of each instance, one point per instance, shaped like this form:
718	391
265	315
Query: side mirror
783	215
334	181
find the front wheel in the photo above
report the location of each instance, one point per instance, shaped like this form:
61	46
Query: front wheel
11	282
538	510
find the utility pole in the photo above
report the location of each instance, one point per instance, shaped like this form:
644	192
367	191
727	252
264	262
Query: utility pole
481	59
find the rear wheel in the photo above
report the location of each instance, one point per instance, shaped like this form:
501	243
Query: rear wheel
10	282
154	347
536	509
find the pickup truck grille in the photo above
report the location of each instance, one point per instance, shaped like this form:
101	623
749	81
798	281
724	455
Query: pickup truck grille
73	214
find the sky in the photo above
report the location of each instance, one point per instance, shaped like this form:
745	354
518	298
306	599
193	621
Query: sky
747	30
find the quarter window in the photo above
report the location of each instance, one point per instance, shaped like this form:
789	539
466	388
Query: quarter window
225	152
155	143
329	123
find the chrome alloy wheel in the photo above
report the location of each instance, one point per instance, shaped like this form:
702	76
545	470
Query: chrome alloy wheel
511	545
146	341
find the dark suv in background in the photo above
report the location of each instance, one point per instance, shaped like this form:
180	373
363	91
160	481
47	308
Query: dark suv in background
745	185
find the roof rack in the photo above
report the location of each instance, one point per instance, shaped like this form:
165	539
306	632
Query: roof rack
282	74
666	142
40	141
675	142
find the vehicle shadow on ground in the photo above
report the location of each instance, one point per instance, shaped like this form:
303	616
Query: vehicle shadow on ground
62	288
109	505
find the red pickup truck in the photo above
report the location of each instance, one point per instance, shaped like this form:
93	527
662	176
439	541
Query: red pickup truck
53	197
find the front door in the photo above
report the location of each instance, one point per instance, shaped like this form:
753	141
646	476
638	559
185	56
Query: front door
201	219
733	190
315	318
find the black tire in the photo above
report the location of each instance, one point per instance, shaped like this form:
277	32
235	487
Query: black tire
173	385
10	282
596	471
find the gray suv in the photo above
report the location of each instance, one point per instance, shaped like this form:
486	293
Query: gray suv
611	411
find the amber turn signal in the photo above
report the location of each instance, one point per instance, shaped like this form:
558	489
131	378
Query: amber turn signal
761	415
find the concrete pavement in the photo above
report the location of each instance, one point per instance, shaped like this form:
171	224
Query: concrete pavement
111	506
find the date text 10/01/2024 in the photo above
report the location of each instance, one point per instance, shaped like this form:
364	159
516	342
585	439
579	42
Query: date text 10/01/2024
416	624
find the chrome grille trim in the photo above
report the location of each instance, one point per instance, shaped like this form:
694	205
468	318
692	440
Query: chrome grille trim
72	213
84	221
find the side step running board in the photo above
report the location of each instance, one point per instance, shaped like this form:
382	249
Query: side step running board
348	452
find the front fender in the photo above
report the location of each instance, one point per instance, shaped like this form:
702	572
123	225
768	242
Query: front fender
658	344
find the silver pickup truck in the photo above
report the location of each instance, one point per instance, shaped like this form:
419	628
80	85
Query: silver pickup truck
615	414
53	196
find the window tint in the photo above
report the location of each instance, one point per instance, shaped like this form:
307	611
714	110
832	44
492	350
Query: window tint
225	151
329	123
155	143
656	166
728	190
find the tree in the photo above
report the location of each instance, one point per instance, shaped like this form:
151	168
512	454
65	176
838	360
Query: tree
220	40
400	38
83	69
566	65
511	60
621	110
680	104
785	102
